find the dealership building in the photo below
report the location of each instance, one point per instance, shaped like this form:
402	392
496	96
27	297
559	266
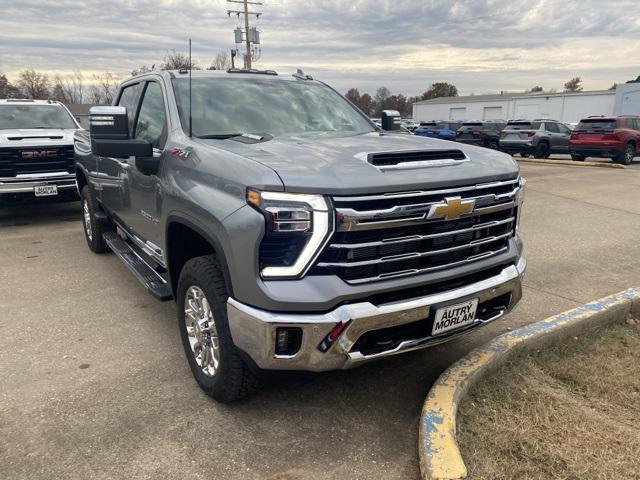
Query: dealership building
565	107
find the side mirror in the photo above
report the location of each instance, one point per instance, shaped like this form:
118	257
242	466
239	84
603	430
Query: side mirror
109	130
391	120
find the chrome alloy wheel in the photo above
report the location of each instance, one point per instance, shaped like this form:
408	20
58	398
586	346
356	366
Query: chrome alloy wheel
201	330
630	153
87	220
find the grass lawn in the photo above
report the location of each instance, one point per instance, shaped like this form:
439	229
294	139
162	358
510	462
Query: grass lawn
571	411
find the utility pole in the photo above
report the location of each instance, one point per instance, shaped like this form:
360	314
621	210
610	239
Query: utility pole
248	36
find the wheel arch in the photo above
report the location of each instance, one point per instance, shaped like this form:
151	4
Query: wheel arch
186	239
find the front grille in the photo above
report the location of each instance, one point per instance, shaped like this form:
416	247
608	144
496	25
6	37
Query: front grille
12	161
385	236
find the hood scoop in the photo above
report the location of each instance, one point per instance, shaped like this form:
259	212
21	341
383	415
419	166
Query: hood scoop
409	159
23	137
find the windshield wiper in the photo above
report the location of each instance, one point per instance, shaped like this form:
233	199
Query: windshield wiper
220	136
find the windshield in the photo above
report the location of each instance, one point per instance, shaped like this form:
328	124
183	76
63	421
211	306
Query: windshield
227	106
597	124
35	116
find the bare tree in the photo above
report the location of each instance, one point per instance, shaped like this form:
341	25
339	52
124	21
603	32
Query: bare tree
143	69
58	91
74	87
104	89
177	61
221	62
7	89
34	84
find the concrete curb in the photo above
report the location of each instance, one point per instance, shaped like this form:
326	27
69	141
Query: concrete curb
440	457
570	162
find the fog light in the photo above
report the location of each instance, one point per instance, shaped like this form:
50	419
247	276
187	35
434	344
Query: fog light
288	341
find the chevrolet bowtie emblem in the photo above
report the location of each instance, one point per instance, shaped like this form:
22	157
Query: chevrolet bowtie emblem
451	208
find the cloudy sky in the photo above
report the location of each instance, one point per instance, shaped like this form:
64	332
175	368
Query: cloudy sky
482	46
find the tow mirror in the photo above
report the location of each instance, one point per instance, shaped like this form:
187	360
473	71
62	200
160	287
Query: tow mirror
109	130
391	120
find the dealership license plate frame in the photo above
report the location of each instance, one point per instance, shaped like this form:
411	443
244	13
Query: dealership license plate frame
45	190
448	310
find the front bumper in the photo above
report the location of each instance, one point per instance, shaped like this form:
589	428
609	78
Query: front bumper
254	331
27	183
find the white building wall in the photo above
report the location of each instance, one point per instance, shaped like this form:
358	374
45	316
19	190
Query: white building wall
570	107
453	111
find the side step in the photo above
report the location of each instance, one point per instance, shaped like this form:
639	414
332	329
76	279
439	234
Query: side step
153	282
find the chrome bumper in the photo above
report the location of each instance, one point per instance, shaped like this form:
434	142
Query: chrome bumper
27	183
254	331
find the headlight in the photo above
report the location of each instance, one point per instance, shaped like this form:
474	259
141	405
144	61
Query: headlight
297	226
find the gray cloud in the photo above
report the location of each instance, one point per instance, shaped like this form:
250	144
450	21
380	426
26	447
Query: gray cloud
480	45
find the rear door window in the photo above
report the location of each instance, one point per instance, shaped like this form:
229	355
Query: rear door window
552	127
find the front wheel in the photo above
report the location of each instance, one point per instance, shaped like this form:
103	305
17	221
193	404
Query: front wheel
93	228
577	157
493	145
626	156
206	338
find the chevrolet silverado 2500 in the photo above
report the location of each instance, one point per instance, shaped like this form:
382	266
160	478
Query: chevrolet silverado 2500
36	149
293	233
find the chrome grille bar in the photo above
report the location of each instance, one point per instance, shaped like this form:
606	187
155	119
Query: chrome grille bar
407	256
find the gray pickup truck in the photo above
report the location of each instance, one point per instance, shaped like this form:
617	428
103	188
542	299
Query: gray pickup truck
292	232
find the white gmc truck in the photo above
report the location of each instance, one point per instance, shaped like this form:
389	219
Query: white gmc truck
36	150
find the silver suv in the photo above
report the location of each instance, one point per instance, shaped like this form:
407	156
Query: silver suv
540	138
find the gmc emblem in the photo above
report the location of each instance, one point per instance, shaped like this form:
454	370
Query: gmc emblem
40	154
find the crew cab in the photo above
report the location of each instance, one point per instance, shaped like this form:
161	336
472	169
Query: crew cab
293	233
36	150
617	138
484	133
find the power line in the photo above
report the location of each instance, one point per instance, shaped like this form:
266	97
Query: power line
250	36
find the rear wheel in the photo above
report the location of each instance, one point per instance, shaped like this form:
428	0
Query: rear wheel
524	155
542	150
626	156
577	157
493	145
93	228
206	338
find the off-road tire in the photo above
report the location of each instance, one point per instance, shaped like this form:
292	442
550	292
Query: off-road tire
626	156
542	150
576	157
94	239
234	379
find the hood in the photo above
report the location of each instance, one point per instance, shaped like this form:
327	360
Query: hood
338	166
36	137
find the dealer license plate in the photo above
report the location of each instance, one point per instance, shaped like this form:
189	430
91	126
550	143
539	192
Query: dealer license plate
45	190
455	316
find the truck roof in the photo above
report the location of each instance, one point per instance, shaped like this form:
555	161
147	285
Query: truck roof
27	101
239	73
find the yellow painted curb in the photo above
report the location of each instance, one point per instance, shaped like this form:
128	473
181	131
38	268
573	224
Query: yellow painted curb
440	457
570	162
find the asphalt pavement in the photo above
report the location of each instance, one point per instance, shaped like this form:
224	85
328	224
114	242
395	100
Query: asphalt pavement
94	384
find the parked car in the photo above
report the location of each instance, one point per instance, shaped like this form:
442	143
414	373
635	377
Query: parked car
540	138
36	150
617	138
484	133
441	130
295	235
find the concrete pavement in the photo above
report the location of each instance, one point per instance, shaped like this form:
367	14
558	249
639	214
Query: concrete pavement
94	384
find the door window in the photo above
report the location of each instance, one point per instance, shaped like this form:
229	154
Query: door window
152	125
564	129
552	127
129	99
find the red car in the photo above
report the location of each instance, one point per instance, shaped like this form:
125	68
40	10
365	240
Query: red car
617	138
